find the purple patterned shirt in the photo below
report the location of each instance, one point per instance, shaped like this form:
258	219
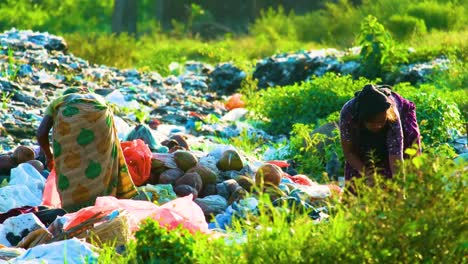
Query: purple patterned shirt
399	135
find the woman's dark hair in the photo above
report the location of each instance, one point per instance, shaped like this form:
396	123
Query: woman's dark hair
370	101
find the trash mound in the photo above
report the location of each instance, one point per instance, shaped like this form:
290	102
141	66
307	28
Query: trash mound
179	183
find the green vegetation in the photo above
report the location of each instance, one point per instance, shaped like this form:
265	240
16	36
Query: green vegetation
416	218
419	217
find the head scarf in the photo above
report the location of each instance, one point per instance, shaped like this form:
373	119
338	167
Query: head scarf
371	100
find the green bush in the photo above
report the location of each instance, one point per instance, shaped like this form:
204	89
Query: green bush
379	53
274	25
313	152
438	115
110	50
156	244
405	26
440	16
336	24
304	103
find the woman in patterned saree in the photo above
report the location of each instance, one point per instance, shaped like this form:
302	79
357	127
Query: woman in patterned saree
87	156
376	127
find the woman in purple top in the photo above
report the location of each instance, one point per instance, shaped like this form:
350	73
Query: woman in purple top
376	126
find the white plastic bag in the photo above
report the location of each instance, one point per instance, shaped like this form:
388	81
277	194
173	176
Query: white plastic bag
19	225
26	174
118	98
122	128
14	196
68	251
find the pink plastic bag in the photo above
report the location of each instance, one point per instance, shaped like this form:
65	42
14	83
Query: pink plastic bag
50	196
86	214
279	163
181	211
300	179
138	157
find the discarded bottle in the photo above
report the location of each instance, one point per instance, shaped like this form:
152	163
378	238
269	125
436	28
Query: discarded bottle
341	182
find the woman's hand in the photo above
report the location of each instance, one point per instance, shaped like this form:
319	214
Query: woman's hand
369	173
50	163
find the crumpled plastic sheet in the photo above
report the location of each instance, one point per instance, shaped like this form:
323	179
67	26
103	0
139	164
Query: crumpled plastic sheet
25	188
237	209
68	251
181	211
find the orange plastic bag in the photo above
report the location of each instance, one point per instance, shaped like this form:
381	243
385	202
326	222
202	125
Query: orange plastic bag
50	196
301	179
279	163
181	211
138	157
234	102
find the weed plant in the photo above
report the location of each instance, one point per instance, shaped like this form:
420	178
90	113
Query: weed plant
418	217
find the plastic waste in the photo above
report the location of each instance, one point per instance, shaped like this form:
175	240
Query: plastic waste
138	158
162	193
50	196
118	98
144	133
26	174
234	101
123	129
68	251
235	114
181	211
17	227
14	196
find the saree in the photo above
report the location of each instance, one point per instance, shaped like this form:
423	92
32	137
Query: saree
88	158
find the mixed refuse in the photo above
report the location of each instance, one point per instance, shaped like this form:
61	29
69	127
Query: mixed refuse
166	125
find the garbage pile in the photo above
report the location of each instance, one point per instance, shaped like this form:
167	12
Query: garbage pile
290	68
179	183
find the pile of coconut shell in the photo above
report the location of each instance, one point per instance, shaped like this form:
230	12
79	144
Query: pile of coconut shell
216	179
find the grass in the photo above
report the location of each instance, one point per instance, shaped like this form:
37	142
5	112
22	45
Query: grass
156	52
419	217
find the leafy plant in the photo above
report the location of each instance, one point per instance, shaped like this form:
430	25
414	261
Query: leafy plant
378	50
155	243
438	116
404	26
306	103
441	16
6	97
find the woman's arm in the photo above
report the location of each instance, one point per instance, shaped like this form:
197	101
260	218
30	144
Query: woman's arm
395	161
350	156
43	138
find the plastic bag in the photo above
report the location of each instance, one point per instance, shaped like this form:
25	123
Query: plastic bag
14	196
234	101
279	163
26	174
144	133
68	251
51	197
162	193
118	98
181	211
74	219
301	179
123	129
138	158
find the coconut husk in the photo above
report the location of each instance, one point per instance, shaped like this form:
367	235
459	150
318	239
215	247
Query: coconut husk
36	164
165	158
268	173
170	176
230	160
22	154
184	190
208	176
185	160
191	178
